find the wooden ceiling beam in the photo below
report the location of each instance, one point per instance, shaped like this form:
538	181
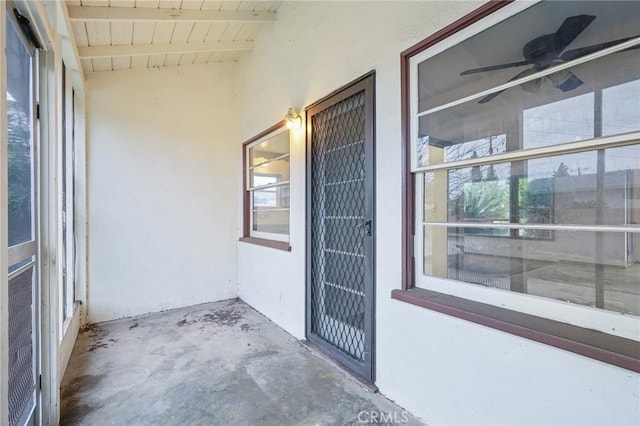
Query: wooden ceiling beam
92	52
131	14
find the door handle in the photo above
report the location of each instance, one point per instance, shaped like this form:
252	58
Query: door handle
366	225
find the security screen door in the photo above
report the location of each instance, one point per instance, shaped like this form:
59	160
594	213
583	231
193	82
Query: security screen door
340	226
23	272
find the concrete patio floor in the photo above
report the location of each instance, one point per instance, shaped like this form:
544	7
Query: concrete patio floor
220	363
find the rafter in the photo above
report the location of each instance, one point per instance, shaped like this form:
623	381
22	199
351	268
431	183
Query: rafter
160	49
130	14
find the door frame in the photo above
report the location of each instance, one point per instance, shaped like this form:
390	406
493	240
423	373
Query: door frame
34	417
364	371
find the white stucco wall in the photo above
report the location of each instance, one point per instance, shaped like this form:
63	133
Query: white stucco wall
161	182
443	369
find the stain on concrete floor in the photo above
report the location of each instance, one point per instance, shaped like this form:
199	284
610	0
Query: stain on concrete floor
215	364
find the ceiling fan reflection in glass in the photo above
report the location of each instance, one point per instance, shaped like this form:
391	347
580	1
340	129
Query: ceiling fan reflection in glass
548	50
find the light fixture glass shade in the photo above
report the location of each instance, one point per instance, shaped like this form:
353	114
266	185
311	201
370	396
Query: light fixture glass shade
565	80
293	120
532	86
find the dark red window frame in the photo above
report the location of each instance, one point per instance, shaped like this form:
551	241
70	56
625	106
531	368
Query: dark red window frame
246	196
611	349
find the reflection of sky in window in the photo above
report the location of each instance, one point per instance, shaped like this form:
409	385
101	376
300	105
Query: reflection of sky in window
259	180
265	197
572	119
568	120
621	108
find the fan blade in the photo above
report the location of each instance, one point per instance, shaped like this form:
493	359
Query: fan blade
493	95
570	55
490	97
570	29
496	67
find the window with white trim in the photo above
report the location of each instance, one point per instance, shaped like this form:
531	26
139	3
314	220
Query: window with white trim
524	138
267	186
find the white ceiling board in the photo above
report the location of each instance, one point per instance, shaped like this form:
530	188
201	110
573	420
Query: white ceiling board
231	56
111	14
191	5
143	33
87	65
216	57
199	32
162	32
274	7
172	60
94	2
123	63
99	33
231	32
202	58
139	61
216	31
80	33
162	49
149	4
211	5
181	32
122	3
187	59
156	61
247	32
170	4
230	5
102	64
121	33
248	5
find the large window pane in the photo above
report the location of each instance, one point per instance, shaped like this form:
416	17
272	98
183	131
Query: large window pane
271	221
270	173
269	149
271	209
588	188
621	108
518	120
20	146
442	78
587	268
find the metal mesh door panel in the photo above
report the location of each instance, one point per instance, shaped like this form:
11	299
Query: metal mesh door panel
338	196
21	372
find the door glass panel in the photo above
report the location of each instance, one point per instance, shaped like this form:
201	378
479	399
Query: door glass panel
20	147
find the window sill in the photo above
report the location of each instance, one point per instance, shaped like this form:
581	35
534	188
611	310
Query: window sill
278	245
613	350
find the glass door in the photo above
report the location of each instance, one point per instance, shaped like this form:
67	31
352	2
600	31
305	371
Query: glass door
23	271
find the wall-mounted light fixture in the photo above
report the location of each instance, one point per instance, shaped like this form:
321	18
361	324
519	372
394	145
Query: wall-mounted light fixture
293	120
